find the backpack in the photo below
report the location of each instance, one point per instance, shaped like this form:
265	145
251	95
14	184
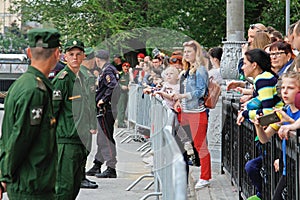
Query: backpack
213	93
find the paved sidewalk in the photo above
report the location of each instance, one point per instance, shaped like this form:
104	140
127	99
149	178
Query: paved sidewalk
130	167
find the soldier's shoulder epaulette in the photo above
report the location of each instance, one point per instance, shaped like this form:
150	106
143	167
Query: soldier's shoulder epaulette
41	84
63	75
89	73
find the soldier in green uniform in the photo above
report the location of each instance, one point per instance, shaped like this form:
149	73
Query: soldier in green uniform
71	107
28	150
122	103
90	86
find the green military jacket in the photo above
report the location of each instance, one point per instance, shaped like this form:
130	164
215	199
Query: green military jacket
71	108
28	150
90	87
124	80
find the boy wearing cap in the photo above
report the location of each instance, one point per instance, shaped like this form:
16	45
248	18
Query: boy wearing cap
71	108
28	154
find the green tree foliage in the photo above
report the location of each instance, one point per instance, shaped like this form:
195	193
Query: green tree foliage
93	21
274	14
13	41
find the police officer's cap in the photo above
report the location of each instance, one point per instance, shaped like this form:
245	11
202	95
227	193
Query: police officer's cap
102	54
72	43
43	37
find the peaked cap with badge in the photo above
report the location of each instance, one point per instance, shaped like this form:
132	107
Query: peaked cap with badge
43	37
72	43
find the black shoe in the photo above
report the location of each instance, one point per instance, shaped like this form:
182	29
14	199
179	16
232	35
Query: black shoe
89	180
96	169
87	184
108	173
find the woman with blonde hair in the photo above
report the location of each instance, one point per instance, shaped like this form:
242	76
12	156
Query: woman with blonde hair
261	39
191	102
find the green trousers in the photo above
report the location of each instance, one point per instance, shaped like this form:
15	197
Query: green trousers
122	105
71	158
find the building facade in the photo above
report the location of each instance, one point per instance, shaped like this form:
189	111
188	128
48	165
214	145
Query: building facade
6	18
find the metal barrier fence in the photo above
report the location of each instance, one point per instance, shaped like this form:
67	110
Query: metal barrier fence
169	168
138	114
238	147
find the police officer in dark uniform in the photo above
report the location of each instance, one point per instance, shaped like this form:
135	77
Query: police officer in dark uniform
28	150
106	151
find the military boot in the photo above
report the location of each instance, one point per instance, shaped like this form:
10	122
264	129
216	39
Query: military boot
96	169
108	173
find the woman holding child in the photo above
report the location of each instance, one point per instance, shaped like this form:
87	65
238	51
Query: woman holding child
191	102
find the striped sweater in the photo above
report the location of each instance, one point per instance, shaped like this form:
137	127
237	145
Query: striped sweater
265	92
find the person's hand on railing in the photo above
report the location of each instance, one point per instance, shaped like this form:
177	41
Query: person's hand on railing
245	98
234	84
177	106
240	118
276	165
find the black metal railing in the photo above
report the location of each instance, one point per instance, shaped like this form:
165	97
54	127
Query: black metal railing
238	147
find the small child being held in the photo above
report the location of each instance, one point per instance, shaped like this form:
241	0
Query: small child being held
170	88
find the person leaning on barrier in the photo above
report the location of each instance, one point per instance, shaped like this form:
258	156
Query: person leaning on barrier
257	64
28	151
289	88
70	108
106	151
195	84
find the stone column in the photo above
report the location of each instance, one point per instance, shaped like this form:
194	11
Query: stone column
235	38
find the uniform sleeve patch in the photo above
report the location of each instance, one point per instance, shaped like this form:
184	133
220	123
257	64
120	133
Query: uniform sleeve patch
36	114
57	95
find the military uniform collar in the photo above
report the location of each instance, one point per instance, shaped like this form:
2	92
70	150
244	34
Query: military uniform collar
70	73
39	74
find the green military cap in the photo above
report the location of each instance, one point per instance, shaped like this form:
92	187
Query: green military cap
89	53
43	37
74	43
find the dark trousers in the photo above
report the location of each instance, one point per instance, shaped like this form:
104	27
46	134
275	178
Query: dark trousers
253	168
278	195
106	144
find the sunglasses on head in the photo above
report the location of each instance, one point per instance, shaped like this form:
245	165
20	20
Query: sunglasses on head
254	26
188	43
174	60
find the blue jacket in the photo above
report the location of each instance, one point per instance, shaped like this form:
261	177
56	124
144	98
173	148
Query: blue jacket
196	88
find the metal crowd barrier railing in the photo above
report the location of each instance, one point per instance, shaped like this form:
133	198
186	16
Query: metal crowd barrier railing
238	147
132	113
169	167
169	170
